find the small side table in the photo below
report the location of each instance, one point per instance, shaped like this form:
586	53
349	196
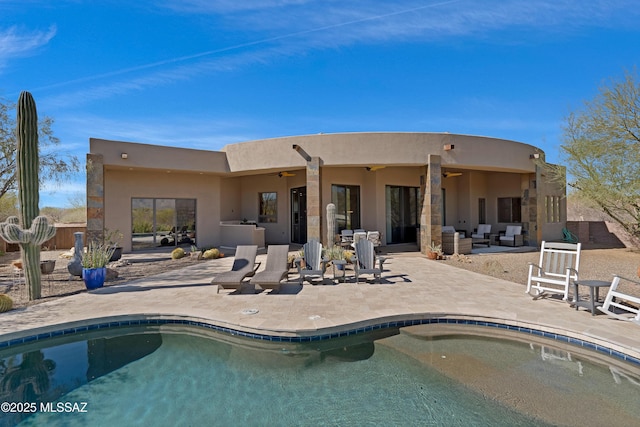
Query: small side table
594	293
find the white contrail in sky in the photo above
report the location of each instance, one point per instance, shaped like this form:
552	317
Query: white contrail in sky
240	46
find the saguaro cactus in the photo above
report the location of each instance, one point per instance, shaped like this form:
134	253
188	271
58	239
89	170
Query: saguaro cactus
35	229
331	224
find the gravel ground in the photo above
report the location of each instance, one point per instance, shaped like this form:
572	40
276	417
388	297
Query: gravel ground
595	264
598	264
61	283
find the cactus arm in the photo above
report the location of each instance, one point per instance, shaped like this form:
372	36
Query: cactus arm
13	234
41	230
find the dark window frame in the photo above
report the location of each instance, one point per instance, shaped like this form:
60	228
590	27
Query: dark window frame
509	209
268	207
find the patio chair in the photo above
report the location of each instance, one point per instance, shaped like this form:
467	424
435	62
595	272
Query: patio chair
358	235
275	270
558	266
456	243
244	265
613	304
483	232
512	236
314	264
451	229
364	261
346	238
374	237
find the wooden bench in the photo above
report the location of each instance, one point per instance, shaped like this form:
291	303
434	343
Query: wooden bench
557	267
628	312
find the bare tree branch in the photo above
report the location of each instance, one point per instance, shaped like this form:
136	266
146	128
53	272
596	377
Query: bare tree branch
54	165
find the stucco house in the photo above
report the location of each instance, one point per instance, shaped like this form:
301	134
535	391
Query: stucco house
405	185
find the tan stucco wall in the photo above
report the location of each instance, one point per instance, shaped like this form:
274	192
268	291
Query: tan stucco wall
226	183
123	185
158	157
366	149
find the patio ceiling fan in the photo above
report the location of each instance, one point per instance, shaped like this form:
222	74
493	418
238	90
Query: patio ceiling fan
451	174
285	174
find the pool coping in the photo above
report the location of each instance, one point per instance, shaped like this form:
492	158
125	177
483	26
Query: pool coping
89	325
414	291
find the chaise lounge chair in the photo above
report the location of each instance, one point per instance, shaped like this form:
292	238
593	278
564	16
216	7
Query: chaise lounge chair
314	264
276	269
244	265
364	261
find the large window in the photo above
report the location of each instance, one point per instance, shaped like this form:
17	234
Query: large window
509	209
162	222
347	201
268	207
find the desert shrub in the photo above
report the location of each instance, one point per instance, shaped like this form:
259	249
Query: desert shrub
141	226
6	303
177	253
212	253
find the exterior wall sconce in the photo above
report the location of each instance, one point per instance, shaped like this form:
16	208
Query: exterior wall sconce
448	147
534	156
124	155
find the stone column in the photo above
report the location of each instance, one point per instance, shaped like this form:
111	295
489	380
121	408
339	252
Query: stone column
532	210
95	197
431	214
314	193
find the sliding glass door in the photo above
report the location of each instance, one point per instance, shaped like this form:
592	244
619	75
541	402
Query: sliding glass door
347	201
162	222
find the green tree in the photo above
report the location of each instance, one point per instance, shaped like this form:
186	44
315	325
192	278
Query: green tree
8	206
601	149
53	165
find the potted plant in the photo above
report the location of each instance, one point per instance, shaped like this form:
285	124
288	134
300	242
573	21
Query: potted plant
113	239
337	253
435	251
94	264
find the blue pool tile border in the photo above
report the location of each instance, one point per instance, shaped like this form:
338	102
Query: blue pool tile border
322	337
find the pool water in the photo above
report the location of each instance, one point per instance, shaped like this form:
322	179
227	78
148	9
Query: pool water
179	376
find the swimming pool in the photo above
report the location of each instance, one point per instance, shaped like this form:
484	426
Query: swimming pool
424	375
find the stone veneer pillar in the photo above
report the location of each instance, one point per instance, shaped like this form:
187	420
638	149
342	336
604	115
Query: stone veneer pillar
431	214
95	198
314	222
531	209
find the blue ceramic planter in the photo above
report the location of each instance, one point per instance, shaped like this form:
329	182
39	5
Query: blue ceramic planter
94	277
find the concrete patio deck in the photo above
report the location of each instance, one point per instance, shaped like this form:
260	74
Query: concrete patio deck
413	288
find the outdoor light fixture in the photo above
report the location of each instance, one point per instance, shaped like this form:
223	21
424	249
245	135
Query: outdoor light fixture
124	155
534	156
448	147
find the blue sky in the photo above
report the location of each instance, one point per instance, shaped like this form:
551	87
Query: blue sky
206	73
